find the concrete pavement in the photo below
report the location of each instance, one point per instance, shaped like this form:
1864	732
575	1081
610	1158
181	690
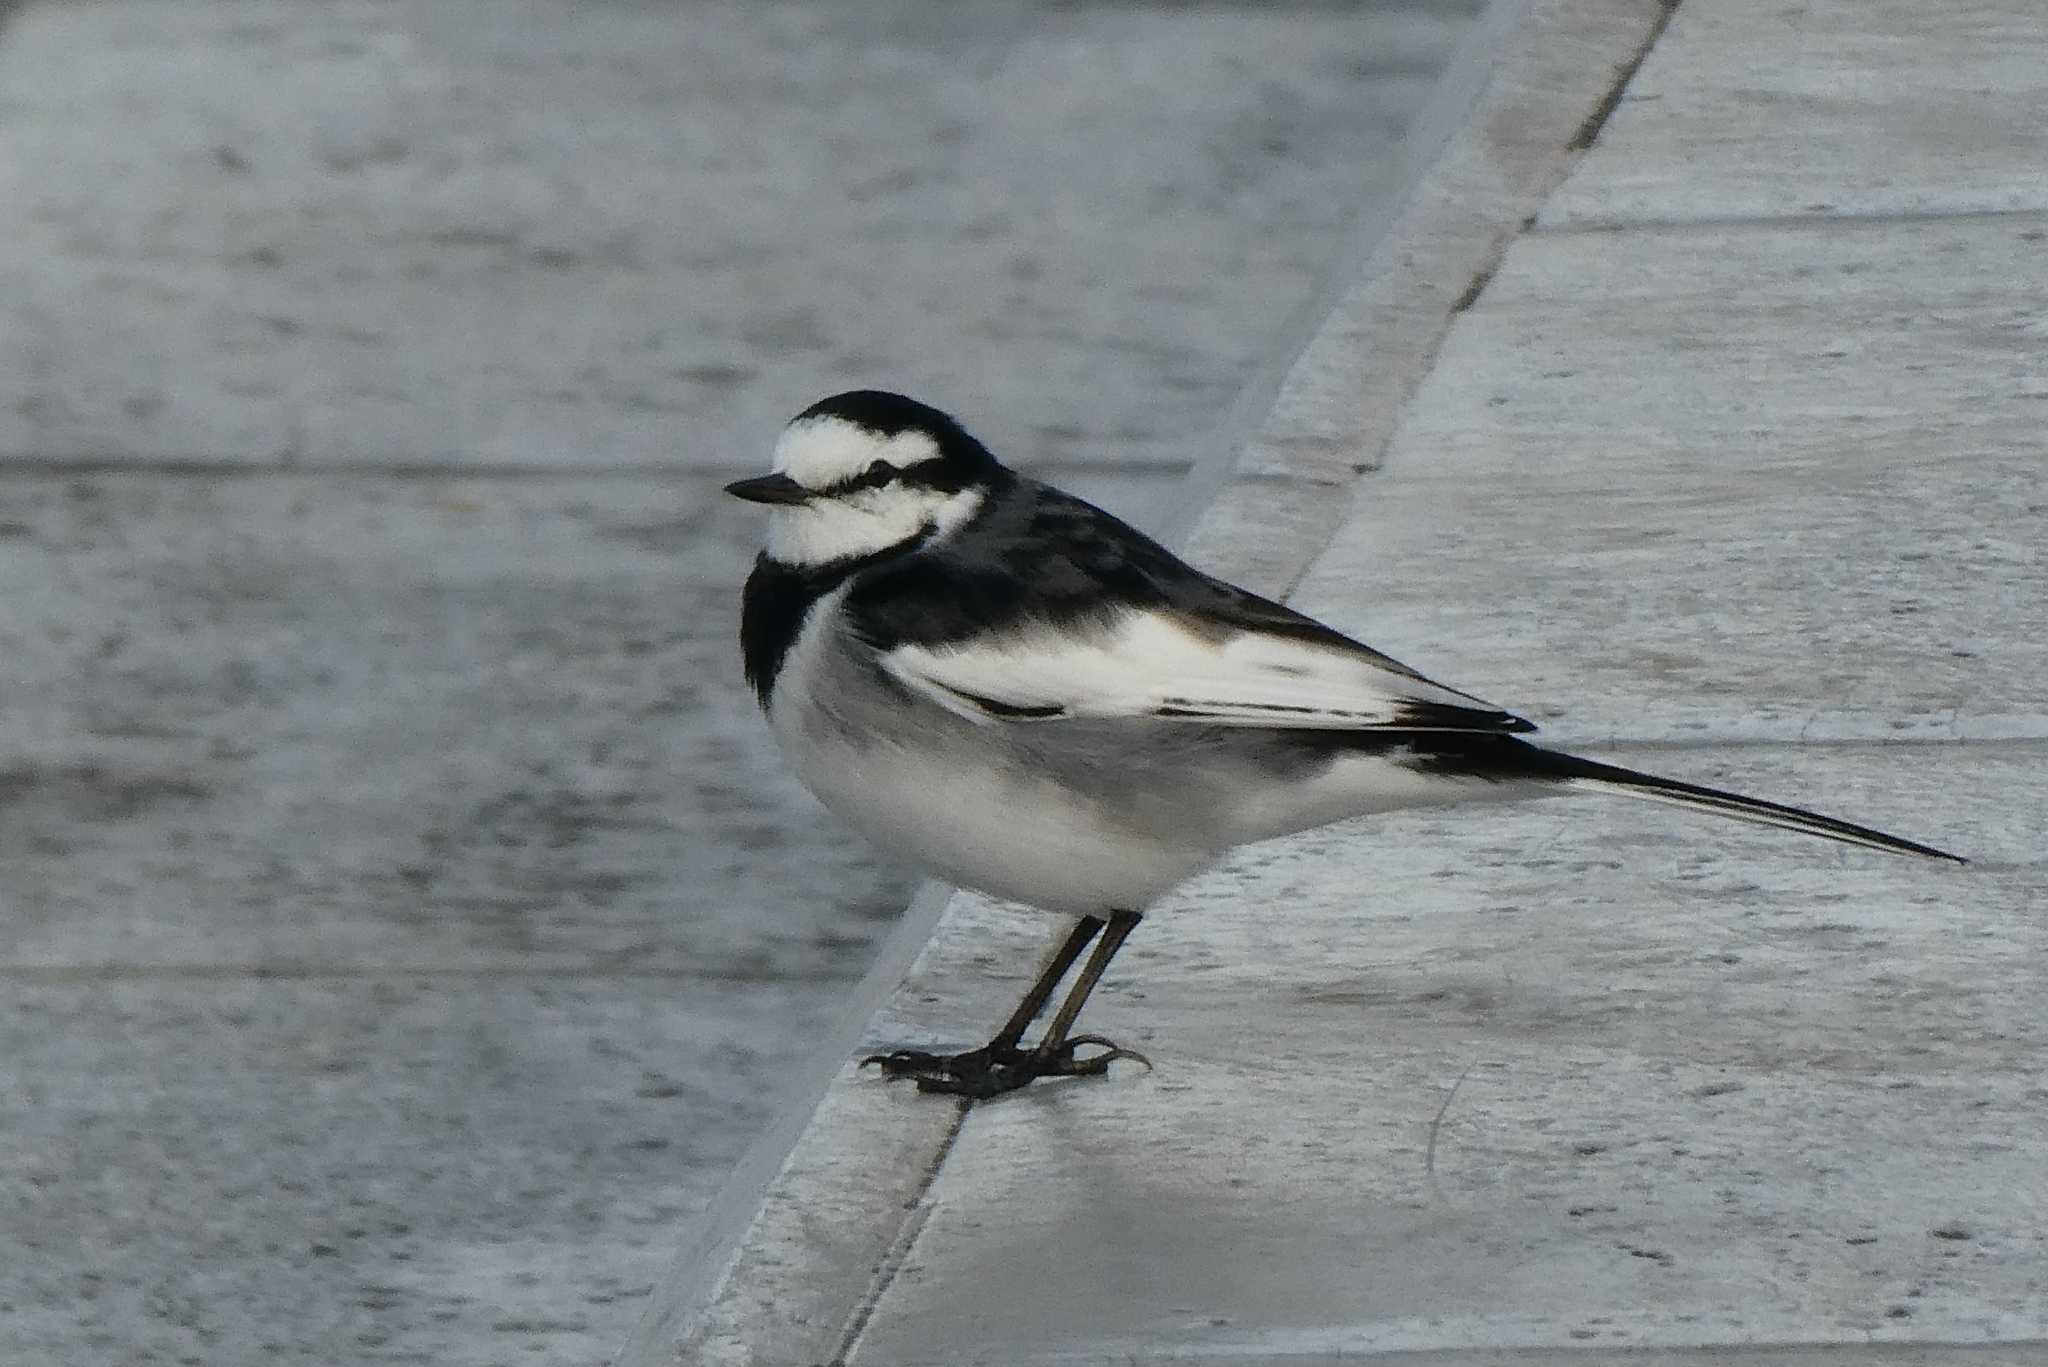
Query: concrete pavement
404	919
1728	466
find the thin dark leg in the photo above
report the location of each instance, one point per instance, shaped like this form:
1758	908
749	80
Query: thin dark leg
1086	929
1121	924
1000	1065
1002	1051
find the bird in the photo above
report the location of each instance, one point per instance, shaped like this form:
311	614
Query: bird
1020	693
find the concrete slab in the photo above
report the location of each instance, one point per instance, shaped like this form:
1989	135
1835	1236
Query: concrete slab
510	232
394	723
1483	155
330	1167
1565	1076
1727	483
368	993
404	765
1801	1355
1835	108
293	722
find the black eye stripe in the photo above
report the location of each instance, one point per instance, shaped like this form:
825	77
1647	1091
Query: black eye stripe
874	477
937	473
932	474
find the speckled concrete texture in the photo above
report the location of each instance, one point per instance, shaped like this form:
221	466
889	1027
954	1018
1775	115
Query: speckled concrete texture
644	234
1892	116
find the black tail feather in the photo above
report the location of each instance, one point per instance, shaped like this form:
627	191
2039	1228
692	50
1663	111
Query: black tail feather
1505	759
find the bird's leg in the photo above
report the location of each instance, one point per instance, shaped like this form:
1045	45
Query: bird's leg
1002	1051
1054	1056
1086	929
1001	1065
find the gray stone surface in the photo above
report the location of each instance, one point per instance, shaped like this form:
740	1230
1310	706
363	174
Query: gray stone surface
391	866
1740	496
322	1166
1764	109
1483	157
403	921
1709	1087
377	917
467	724
1777	1355
638	233
1835	452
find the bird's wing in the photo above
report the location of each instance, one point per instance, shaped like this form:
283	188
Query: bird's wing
1175	665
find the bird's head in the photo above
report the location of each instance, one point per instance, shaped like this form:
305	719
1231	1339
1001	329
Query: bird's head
863	471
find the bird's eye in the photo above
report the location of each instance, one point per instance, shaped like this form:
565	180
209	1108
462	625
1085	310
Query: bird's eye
878	474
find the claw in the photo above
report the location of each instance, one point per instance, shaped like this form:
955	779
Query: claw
1100	1063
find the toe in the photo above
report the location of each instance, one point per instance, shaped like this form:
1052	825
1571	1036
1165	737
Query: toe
1067	1062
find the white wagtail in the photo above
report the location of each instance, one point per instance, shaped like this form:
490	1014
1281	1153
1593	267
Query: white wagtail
1024	695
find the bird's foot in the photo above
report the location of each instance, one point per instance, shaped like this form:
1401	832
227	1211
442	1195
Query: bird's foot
995	1069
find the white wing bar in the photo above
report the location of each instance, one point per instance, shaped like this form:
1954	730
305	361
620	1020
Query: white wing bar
1157	664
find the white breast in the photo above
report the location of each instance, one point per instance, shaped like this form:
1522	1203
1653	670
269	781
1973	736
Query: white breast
925	787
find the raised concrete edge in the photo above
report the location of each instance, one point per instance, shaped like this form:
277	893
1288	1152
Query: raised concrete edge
785	1266
1522	98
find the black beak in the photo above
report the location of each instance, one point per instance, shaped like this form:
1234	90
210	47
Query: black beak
769	489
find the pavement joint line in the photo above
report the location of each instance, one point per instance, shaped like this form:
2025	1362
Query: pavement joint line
1707	744
90	973
1308	481
1589	132
918	1213
1761	1353
1453	162
1581	141
18	467
1816	220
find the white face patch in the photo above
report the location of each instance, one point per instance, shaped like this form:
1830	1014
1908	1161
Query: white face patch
821	452
864	522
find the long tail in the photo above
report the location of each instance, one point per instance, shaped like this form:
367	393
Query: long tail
1608	778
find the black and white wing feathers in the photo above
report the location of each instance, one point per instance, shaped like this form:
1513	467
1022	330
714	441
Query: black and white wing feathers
1171	666
1053	609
